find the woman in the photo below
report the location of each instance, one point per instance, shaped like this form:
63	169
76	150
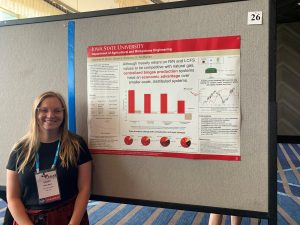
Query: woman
49	169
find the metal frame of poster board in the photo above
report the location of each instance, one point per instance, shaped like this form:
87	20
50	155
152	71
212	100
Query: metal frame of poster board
271	215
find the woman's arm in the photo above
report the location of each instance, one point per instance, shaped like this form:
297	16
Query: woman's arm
84	187
15	205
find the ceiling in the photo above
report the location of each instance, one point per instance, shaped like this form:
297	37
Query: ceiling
288	11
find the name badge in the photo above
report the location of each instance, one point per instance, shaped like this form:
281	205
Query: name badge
47	185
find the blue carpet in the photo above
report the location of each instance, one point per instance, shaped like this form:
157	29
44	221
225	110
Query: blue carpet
101	212
141	216
186	218
117	217
108	213
164	217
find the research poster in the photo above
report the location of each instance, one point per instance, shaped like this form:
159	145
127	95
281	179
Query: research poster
175	98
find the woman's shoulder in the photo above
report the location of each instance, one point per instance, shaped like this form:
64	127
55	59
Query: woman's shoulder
76	137
22	143
16	152
84	155
18	146
79	140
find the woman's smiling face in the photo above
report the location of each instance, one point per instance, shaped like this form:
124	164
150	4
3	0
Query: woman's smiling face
50	114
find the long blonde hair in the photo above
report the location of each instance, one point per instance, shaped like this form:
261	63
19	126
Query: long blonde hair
30	142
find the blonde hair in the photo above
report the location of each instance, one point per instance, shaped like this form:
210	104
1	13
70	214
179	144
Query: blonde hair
30	142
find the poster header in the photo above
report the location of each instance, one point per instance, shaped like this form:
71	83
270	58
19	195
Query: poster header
173	46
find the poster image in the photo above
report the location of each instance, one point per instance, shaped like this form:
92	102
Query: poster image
176	98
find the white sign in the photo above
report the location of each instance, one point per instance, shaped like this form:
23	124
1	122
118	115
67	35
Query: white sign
255	17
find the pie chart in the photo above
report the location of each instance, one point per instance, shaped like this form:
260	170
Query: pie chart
185	142
128	140
164	141
145	140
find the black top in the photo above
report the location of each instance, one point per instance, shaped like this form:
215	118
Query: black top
67	177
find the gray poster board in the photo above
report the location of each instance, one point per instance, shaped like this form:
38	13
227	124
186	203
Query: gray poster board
33	59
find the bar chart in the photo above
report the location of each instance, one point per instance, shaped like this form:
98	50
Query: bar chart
148	100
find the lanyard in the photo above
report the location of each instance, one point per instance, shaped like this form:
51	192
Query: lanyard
37	164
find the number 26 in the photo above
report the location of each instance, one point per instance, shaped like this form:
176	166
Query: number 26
255	17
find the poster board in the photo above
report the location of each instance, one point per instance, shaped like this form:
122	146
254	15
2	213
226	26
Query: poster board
238	186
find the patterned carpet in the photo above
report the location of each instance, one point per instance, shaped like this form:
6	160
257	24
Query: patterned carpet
288	183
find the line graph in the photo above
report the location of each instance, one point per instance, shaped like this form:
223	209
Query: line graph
224	96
